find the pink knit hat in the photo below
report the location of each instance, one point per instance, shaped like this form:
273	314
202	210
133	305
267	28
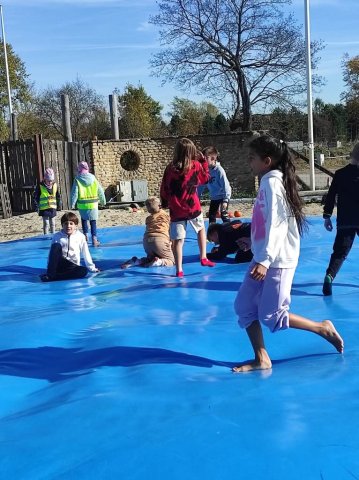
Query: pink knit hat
83	167
49	175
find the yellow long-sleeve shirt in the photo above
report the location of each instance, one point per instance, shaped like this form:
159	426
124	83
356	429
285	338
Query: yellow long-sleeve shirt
158	224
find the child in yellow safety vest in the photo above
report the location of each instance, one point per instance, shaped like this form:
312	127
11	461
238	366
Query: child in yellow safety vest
86	193
47	200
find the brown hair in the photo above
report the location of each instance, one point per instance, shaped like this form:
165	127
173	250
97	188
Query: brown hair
153	204
185	151
277	150
69	217
211	150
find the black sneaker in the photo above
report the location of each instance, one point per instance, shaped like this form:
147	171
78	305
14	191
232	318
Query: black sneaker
45	278
327	285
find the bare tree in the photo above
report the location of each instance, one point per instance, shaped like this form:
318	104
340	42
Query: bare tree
247	50
87	110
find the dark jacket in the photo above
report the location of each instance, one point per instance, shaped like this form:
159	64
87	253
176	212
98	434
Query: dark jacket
228	234
49	212
344	188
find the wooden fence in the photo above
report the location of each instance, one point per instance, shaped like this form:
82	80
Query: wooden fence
22	164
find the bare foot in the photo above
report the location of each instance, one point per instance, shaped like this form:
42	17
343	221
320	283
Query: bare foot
330	334
264	364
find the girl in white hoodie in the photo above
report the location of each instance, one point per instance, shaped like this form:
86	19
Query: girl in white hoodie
277	224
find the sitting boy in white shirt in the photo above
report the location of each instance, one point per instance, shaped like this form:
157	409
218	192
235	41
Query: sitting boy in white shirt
65	252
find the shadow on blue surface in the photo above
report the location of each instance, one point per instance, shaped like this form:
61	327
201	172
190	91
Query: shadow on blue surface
58	364
126	373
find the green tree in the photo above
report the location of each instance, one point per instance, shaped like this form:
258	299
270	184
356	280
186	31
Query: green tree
221	124
330	121
246	50
19	83
139	114
351	95
288	123
87	111
190	118
187	117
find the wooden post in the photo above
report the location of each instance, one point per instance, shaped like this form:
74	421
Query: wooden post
114	116
14	130
39	157
66	124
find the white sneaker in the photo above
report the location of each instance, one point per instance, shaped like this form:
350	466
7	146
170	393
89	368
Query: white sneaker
157	263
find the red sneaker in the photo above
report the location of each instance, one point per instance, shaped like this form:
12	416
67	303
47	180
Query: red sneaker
207	263
180	274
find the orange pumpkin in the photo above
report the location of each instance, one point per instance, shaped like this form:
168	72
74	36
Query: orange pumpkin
237	213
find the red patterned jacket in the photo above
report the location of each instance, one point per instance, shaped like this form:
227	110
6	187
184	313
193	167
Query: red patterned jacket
179	190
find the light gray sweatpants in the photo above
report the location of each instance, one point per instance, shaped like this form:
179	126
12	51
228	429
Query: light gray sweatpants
267	300
49	224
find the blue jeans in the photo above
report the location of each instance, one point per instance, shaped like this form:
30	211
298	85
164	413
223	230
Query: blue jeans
93	227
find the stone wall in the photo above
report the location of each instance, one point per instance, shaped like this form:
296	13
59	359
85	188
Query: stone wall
150	157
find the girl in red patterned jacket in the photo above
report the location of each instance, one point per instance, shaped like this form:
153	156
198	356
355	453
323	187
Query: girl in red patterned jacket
181	178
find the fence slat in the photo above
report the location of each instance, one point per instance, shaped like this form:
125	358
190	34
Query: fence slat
22	164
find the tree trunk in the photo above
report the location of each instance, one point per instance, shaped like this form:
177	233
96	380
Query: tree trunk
246	102
242	116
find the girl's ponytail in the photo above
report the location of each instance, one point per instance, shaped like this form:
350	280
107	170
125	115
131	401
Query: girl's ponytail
294	200
277	150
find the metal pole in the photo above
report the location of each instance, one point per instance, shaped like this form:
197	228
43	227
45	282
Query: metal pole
66	121
114	116
309	97
7	73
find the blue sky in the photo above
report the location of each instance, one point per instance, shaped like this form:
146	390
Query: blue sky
108	43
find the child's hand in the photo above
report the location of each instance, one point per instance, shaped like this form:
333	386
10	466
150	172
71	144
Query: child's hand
200	157
328	224
259	272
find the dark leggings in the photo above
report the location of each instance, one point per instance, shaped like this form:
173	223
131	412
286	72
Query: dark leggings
243	257
213	209
342	245
93	227
60	268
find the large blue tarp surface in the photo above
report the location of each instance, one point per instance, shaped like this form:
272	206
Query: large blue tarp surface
126	374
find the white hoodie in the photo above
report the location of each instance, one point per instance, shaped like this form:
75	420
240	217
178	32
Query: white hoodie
274	232
72	247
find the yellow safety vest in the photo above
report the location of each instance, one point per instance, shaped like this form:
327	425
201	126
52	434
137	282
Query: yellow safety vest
47	200
87	196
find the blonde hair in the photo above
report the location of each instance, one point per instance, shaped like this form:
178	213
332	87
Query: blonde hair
153	204
185	151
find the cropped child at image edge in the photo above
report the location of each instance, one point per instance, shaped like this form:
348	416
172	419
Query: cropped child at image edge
344	187
65	253
277	223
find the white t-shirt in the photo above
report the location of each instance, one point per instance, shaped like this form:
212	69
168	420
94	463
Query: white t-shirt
72	247
274	231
